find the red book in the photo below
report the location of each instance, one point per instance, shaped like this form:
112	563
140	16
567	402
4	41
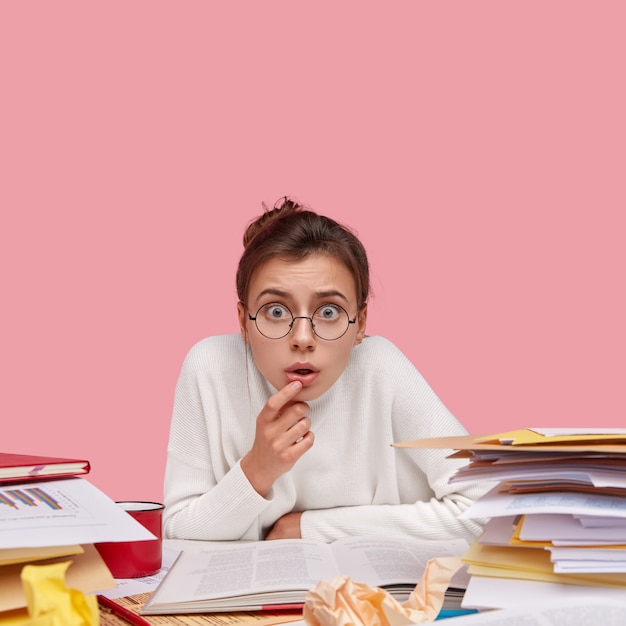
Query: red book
15	467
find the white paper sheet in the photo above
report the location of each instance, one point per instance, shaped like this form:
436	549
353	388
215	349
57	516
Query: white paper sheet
573	612
62	512
133	586
498	531
496	504
498	593
564	529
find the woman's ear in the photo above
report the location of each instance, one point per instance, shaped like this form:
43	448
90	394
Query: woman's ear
361	323
241	312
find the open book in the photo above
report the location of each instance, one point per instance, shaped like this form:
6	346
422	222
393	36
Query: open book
265	575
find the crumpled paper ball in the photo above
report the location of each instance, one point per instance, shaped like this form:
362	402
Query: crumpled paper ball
51	603
341	601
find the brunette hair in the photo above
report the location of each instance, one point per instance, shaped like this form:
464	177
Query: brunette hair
292	232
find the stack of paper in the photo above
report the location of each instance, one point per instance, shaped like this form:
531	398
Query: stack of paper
556	516
58	520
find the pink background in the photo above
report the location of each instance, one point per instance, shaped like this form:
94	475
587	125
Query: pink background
478	148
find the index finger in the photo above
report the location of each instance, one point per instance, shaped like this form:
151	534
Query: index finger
282	397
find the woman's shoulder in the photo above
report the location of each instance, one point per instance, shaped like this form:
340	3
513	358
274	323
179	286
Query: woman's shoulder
375	350
377	344
216	347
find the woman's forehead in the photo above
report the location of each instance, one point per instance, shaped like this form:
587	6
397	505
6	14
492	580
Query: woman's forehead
316	275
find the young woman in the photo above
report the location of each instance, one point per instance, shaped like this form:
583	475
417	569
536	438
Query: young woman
285	429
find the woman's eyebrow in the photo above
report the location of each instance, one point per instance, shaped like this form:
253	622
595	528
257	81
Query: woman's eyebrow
271	291
333	293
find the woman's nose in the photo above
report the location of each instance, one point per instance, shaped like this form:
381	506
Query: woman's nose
302	335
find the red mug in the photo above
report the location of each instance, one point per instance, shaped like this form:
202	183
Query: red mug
135	559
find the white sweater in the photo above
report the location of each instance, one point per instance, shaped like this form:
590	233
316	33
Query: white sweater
351	482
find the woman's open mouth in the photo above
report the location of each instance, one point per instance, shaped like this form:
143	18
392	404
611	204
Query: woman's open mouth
304	374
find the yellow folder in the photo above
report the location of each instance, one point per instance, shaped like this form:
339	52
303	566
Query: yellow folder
611	445
528	436
529	564
9	556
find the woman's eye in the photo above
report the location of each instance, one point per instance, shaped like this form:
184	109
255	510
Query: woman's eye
276	311
327	312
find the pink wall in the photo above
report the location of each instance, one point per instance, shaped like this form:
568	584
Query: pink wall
477	147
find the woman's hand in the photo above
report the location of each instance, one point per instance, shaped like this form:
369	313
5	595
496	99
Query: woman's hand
282	437
286	527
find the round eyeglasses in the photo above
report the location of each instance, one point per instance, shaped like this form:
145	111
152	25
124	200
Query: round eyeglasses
275	321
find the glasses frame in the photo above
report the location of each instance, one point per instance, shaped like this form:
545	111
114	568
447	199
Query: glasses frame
302	317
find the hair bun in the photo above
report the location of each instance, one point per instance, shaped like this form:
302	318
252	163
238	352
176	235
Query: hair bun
284	207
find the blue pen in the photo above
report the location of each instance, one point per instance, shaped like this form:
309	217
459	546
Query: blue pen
445	613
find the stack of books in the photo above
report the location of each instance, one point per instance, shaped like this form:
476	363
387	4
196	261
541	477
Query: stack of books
555	518
50	513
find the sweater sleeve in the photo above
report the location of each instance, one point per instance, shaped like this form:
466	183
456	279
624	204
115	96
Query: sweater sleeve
436	518
207	496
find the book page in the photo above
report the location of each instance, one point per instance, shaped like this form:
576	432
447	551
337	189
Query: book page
228	570
386	561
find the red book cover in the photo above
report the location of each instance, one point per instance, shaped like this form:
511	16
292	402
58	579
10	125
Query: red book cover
14	467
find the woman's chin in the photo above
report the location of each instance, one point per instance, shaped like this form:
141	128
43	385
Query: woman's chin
305	395
311	392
